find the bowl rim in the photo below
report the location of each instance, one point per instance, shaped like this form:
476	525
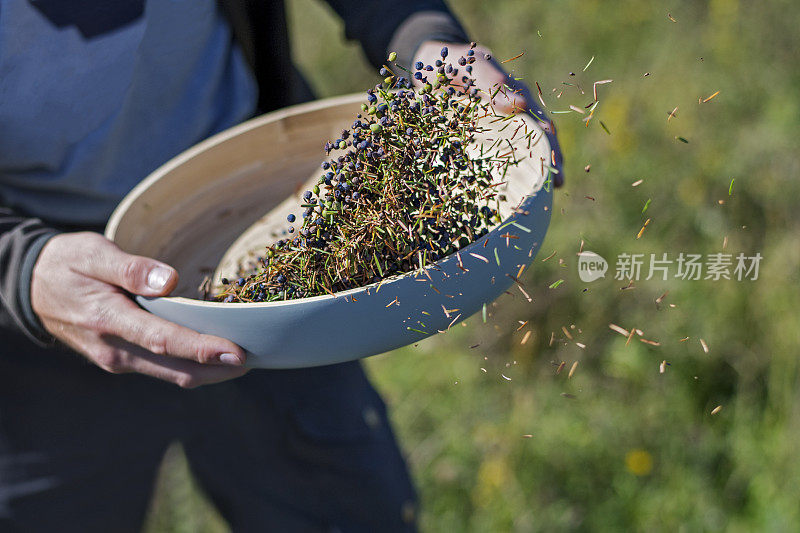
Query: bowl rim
274	116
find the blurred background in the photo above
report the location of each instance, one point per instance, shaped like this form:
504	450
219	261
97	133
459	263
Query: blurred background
619	445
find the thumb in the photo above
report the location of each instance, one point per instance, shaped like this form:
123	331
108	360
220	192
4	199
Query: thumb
134	273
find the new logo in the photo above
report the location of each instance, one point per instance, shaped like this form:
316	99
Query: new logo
591	266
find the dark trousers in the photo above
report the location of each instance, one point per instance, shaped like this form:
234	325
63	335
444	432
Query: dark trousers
290	450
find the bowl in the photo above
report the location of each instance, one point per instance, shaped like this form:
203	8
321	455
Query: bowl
206	212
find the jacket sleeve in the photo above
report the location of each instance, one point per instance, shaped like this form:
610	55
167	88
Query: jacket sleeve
21	240
400	26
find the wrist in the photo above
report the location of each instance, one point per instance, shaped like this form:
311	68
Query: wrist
28	316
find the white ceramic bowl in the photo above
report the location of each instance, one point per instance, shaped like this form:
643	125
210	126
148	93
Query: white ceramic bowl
194	213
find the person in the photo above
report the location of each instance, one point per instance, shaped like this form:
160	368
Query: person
93	97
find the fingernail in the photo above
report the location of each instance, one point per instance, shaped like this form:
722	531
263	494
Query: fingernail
229	359
158	277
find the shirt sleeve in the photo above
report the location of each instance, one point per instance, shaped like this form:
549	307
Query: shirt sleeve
400	26
21	240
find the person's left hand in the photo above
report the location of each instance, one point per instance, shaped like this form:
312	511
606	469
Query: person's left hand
488	75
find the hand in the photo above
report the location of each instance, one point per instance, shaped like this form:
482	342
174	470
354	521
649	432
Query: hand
488	75
78	291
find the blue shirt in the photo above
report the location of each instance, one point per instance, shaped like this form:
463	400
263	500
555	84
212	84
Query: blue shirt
86	115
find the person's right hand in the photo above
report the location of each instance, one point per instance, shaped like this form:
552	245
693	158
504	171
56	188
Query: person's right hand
513	96
78	291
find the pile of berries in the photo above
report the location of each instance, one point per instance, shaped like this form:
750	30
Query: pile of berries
400	190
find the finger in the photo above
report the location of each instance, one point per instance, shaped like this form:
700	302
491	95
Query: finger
509	102
508	96
105	262
162	337
185	374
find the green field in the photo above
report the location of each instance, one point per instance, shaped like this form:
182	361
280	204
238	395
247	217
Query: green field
619	445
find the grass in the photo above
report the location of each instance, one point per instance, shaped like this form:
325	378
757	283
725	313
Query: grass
631	448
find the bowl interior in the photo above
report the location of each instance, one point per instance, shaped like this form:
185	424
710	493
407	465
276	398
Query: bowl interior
189	211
